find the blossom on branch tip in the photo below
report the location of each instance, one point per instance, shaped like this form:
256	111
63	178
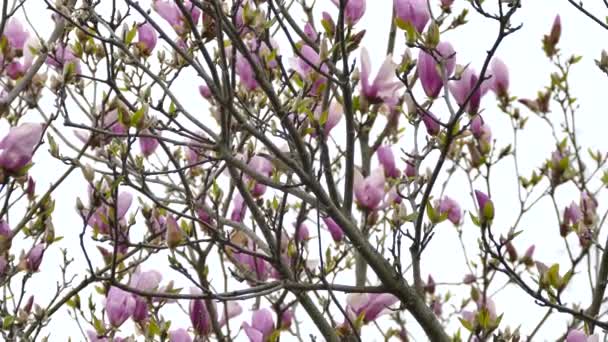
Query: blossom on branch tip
17	147
337	234
353	10
179	335
34	258
387	160
334	115
369	305
499	81
15	34
171	12
463	87
148	145
262	326
120	305
414	12
450	207
147	38
384	87
429	68
369	191
431	123
580	336
486	207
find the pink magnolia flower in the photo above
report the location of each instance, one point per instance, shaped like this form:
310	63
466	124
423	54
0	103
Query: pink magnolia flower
499	83
334	115
452	208
169	11
572	214
200	317
15	34
147	38
262	326
370	305
259	268
428	68
384	86
34	258
245	72
431	123
303	234
17	147
481	131
334	229
303	66
580	336
148	145
310	32
62	56
102	215
239	208
144	281
260	165
486	207
286	319
415	12
369	191
387	160
179	335
353	10
120	305
461	89
205	92
173	233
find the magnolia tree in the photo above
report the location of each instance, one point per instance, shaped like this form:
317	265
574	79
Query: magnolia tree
250	169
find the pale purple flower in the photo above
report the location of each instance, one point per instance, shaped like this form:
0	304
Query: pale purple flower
62	56
233	309
431	123
144	281
101	215
169	11
17	147
415	12
428	68
337	234
303	66
15	34
148	145
384	86
179	335
303	233
120	305
310	32
353	10
205	92
34	258
452	208
262	166
463	87
410	169
334	115
370	305
387	160
262	326
580	336
245	72
239	208
486	207
369	191
481	131
572	214
499	83
147	38
199	315
257	266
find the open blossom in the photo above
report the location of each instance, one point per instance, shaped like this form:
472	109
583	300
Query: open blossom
370	305
580	336
102	215
572	214
15	34
259	268
179	335
369	191
147	38
428	68
245	72
143	281
463	87
337	234
62	56
120	305
415	12
383	89
353	10
451	208
387	160
17	147
169	11
303	66
201	318
261	327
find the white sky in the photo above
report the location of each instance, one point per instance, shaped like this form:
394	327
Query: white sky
529	72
